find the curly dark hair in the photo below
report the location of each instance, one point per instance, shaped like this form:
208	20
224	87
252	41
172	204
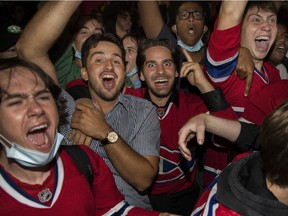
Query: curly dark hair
38	72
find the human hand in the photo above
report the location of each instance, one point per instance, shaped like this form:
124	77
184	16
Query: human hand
77	137
195	75
90	120
245	68
195	126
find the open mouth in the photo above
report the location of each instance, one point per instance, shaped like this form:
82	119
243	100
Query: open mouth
161	82
38	135
262	42
281	48
191	30
108	81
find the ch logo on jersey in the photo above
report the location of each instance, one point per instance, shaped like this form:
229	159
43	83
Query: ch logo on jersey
172	165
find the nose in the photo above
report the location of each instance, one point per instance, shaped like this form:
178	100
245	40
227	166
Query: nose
266	26
161	69
34	108
108	65
190	17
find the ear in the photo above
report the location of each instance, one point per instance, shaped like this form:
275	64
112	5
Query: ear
84	74
176	73
142	78
174	29
205	29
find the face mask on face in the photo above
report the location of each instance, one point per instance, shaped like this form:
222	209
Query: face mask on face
28	157
78	55
194	48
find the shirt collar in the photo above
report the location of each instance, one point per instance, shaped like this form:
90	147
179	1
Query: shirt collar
174	97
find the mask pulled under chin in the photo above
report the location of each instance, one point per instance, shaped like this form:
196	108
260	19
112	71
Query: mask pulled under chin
28	157
77	54
194	48
137	82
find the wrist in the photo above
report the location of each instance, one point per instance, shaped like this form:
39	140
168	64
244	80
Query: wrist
215	100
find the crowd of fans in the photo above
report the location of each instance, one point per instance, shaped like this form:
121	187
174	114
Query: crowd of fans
179	106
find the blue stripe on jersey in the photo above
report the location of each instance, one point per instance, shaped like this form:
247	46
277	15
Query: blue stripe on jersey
122	210
221	69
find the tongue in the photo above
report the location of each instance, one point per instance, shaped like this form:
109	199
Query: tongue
108	84
262	45
37	138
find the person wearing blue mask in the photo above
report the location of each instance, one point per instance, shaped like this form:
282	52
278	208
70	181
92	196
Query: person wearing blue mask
130	42
37	177
189	22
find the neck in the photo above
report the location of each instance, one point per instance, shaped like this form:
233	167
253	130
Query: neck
105	106
24	174
258	64
280	193
159	101
197	56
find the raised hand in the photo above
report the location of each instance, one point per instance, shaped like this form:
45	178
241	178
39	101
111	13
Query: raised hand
196	126
245	68
195	75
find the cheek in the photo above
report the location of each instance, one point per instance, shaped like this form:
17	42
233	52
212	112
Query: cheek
10	122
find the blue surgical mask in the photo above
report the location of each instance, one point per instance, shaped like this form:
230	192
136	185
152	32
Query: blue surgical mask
28	157
137	82
78	55
194	48
131	73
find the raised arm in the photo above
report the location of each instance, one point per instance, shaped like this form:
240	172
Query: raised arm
150	17
230	14
42	31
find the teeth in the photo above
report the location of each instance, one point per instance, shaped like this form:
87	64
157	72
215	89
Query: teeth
262	38
160	81
108	77
38	128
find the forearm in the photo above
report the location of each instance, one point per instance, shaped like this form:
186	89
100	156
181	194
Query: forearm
205	87
150	17
228	129
45	27
137	170
230	13
43	30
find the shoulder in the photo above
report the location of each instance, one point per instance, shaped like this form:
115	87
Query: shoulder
137	102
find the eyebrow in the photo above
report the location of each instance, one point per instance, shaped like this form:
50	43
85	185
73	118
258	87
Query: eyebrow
21	95
165	60
103	53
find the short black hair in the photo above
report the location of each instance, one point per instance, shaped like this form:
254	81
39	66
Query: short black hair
175	5
94	39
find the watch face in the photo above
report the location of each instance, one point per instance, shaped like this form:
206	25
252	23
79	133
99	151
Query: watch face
112	137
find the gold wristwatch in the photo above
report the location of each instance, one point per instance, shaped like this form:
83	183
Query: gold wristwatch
111	138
